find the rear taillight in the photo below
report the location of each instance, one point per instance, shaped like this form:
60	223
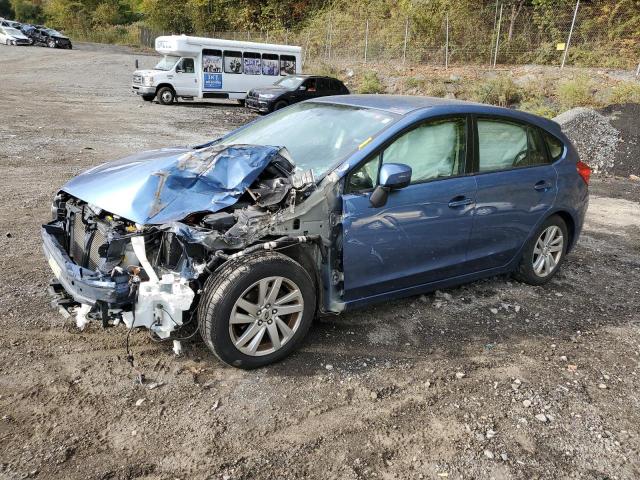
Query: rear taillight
584	171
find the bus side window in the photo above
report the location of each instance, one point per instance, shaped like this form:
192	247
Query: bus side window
232	62
270	64
252	63
287	65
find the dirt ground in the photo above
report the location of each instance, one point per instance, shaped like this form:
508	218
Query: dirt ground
490	380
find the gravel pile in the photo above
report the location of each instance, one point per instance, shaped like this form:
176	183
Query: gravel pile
592	133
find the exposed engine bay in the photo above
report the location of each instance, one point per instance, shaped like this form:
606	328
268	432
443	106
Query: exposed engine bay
114	269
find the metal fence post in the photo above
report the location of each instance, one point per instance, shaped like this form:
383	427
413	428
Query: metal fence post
493	32
638	70
406	34
306	49
446	46
495	56
566	47
366	39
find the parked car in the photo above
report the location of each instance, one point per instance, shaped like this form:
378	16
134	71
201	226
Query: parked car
47	37
330	204
293	89
13	36
9	23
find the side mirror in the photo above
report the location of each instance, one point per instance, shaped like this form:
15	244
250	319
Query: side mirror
179	70
302	88
393	176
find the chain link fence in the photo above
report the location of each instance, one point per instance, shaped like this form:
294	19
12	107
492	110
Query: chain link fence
504	36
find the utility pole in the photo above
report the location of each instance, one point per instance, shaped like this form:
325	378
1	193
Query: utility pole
566	47
495	57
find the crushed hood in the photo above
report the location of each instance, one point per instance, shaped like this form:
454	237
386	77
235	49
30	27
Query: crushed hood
161	186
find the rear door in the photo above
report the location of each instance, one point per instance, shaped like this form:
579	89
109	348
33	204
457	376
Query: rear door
421	234
517	186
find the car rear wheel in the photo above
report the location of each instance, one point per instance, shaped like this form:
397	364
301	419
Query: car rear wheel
256	309
280	104
51	44
544	253
166	96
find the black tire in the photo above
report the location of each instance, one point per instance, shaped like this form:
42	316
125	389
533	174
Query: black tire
525	271
166	96
280	104
241	102
51	44
222	290
148	98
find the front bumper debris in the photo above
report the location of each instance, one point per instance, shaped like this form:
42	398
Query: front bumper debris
83	285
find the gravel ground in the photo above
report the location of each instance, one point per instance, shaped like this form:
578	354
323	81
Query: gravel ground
495	379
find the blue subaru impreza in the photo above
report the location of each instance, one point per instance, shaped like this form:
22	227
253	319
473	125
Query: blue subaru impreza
320	207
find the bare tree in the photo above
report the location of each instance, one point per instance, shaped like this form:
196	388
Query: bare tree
516	6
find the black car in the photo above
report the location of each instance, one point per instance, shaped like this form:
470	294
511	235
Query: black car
293	89
47	37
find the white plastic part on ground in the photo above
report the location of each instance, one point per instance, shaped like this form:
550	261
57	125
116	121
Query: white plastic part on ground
81	316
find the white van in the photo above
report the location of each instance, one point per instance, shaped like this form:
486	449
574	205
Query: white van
195	67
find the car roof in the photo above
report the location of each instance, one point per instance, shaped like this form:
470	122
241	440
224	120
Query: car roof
406	104
310	75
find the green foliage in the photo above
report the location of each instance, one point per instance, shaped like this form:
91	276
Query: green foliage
370	83
6	10
577	92
26	11
500	91
625	92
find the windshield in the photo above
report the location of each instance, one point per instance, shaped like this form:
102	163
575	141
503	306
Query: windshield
12	31
166	63
290	83
50	31
317	135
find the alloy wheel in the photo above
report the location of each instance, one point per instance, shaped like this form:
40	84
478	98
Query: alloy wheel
266	316
548	251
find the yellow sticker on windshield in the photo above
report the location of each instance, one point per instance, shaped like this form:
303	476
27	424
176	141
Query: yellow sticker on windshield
364	144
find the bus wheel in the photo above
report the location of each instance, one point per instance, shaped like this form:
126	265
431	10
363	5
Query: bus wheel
166	96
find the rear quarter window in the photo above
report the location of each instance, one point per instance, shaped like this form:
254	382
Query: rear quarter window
555	146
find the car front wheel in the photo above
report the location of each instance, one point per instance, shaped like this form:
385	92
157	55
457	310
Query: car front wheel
544	253
256	309
51	44
280	104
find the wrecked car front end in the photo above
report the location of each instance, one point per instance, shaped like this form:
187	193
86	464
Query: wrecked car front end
135	240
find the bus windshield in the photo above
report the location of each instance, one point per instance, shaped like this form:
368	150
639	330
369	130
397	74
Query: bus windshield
166	63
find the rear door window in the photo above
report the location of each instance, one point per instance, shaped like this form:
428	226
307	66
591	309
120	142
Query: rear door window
504	145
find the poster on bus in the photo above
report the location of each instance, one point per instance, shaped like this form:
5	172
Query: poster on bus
212	71
251	66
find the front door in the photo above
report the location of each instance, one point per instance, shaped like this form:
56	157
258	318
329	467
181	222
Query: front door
421	234
185	80
517	186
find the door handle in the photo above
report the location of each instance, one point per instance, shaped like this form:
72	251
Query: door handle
542	186
460	201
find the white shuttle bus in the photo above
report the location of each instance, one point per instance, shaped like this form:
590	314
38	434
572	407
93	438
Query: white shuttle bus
195	67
